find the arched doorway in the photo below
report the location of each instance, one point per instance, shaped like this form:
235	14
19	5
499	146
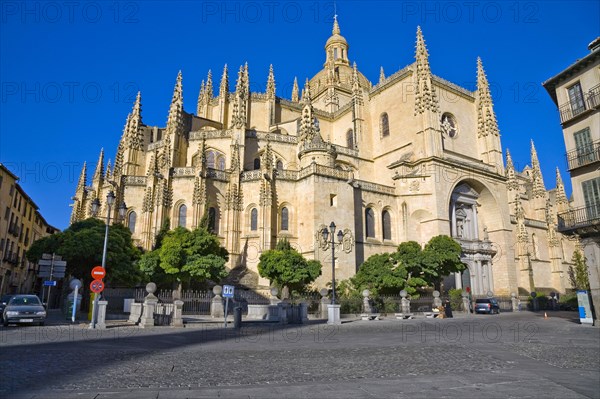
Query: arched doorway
477	252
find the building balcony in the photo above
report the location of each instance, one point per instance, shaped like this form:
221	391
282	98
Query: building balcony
583	156
584	221
590	102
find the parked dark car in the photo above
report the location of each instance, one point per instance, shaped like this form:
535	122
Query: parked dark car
4	301
487	305
26	309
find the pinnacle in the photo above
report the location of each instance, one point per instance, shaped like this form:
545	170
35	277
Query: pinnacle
336	26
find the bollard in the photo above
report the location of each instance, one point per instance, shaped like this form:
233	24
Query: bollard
237	317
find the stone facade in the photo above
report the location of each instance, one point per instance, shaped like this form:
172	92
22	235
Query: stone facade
408	158
576	92
20	225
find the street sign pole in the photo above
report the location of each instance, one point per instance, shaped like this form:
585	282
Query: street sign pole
50	287
226	305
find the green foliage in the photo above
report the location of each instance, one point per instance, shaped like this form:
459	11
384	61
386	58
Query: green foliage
283	245
287	267
409	267
81	245
578	272
456	298
185	255
568	301
164	229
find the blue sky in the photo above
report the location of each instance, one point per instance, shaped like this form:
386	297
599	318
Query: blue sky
69	71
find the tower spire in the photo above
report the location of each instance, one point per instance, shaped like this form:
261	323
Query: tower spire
425	93
271	83
224	86
561	196
381	75
295	90
512	183
133	136
539	190
486	118
208	89
200	99
336	26
99	172
175	118
82	178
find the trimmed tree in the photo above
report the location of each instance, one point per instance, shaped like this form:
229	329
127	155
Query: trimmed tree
284	266
578	272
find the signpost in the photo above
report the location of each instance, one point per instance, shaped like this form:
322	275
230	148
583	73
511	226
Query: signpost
585	310
51	266
75	284
97	286
228	291
98	273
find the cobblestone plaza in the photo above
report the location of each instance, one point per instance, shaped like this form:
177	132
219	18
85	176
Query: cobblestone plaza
507	356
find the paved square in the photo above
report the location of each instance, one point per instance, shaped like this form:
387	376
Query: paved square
518	355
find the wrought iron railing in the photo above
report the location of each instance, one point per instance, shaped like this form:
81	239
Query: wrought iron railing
583	156
590	100
579	218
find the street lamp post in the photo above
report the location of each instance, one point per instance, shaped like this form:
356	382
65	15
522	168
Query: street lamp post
110	201
333	314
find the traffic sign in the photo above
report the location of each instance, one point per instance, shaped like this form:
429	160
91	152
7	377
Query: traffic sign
98	273
49	283
228	291
97	286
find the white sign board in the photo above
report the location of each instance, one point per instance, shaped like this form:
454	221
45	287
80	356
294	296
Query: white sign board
585	310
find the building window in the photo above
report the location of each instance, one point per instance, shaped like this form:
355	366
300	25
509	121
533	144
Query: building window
212	220
448	124
576	99
7	213
370	222
584	147
386	221
591	197
256	163
210	159
279	165
221	162
384	125
131	222
350	139
182	216
536	249
285	219
254	219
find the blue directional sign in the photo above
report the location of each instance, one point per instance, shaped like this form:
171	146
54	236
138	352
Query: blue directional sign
228	291
49	283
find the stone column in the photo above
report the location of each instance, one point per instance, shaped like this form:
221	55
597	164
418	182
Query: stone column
325	301
101	314
147	319
177	320
216	303
458	280
135	313
274	299
333	314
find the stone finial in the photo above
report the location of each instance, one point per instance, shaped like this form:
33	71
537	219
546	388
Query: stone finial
99	172
201	96
512	183
425	93
208	89
224	86
486	117
295	91
271	83
355	82
381	75
561	196
108	173
175	117
539	190
336	26
82	178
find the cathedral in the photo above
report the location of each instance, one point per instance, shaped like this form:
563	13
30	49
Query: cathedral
408	158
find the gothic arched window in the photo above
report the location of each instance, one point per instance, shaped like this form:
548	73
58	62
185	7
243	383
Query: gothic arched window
350	139
131	222
279	165
221	162
386	221
212	220
256	163
384	123
182	217
370	222
210	159
254	219
285	219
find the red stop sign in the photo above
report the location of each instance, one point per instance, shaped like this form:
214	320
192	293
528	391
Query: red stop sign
98	273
